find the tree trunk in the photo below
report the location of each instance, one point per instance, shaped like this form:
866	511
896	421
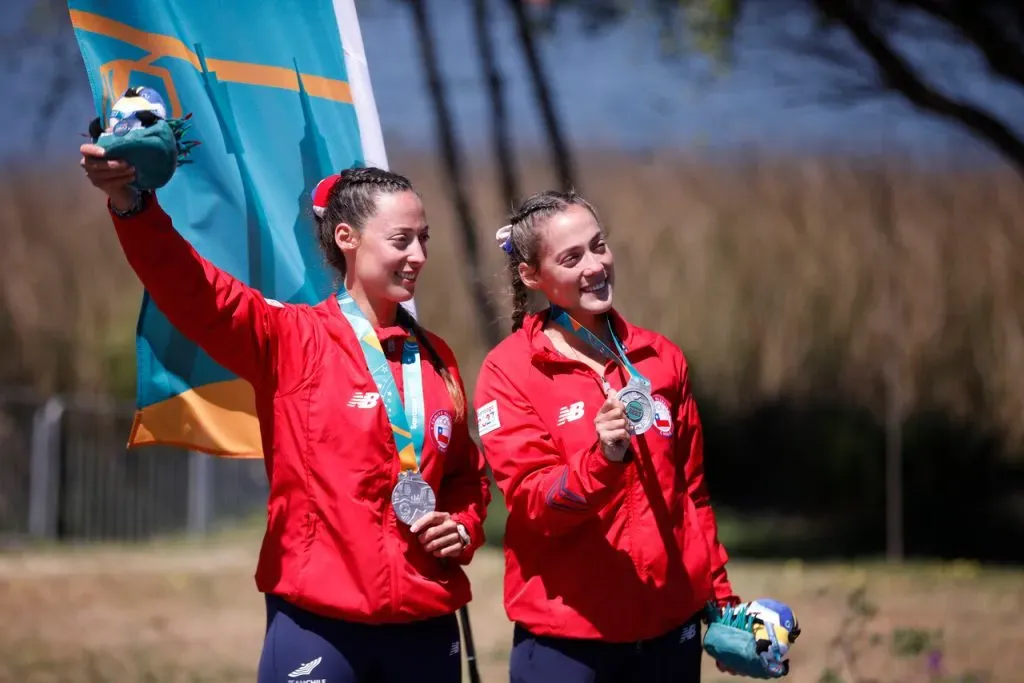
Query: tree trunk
542	92
486	312
500	137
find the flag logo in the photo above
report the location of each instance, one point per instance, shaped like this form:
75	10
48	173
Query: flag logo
441	429
662	416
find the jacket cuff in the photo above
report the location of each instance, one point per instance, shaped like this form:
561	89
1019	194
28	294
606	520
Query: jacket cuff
728	601
601	469
147	207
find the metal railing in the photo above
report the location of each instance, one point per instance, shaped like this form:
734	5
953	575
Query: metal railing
65	474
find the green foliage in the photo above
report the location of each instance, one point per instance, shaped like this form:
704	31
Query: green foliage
859	638
711	26
704	27
914	642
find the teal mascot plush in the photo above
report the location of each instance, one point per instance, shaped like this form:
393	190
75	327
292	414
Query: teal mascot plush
752	639
139	132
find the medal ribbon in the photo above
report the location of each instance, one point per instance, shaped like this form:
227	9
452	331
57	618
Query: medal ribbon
561	317
407	425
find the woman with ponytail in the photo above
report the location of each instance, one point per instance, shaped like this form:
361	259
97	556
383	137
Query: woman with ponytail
590	427
377	493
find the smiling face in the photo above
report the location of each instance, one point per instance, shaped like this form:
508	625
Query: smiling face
574	268
385	257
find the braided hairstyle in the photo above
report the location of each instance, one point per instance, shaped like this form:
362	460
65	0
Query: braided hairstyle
521	239
351	197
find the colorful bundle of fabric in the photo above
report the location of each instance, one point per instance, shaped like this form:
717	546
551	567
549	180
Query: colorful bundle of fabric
752	639
139	132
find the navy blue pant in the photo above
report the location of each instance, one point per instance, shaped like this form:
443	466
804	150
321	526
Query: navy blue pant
674	657
302	647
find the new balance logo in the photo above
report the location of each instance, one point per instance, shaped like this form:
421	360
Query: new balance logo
570	413
688	633
360	400
454	649
306	668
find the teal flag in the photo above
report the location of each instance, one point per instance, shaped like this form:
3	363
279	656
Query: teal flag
280	96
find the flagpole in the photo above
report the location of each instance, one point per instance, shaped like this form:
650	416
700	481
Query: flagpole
370	135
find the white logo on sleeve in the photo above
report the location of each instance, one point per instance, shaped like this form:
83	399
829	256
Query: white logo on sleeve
487	419
366	400
570	413
306	668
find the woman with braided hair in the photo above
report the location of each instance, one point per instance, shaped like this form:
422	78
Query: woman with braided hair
590	427
377	493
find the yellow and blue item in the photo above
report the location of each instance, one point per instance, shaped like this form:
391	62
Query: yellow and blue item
139	132
752	639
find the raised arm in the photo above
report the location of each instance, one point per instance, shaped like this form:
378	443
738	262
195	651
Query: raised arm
229	320
554	492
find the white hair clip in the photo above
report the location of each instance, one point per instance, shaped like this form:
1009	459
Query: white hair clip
504	238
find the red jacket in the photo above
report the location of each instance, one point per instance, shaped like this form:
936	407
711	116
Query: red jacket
593	548
332	545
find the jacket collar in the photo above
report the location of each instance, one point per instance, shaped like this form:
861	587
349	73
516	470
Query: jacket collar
635	340
384	334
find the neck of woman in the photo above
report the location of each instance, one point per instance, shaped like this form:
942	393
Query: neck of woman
379	312
595	323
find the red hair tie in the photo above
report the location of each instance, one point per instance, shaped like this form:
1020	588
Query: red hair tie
321	192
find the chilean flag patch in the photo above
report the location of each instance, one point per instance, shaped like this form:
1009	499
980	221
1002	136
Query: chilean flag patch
662	416
441	429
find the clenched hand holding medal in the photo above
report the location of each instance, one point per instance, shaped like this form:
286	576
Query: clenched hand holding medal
636	395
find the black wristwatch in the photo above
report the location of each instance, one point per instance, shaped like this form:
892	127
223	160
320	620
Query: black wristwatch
141	198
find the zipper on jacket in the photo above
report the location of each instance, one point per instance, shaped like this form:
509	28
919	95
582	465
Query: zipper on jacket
389	541
631	479
389	527
630	513
629	491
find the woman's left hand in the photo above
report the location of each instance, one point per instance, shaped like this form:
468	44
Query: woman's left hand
438	533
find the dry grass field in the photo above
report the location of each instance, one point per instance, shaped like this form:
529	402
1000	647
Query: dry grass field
778	276
188	612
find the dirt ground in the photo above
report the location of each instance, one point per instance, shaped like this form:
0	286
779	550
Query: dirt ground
190	612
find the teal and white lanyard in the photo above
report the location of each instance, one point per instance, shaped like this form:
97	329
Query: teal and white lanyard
561	317
407	423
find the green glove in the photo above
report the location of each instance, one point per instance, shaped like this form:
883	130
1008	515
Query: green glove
752	639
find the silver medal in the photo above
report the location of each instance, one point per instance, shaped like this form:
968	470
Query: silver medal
639	408
412	497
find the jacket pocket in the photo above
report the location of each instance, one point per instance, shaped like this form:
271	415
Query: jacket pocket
430	568
310	523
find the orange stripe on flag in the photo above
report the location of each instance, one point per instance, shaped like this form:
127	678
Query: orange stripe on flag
218	418
227	70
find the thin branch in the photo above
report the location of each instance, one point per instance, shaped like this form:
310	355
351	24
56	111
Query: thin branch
1003	55
897	74
451	158
500	123
562	157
